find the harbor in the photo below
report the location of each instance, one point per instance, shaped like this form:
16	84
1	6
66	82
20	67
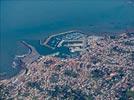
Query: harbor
75	40
67	43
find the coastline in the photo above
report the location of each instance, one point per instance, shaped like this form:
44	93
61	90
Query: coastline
31	53
19	61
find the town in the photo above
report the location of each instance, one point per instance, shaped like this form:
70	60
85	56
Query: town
103	70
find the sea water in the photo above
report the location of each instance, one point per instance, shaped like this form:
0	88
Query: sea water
34	20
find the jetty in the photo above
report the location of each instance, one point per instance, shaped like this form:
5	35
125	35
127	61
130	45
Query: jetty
32	55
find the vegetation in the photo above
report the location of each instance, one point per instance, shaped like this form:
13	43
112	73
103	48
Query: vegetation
71	73
97	73
130	34
129	43
95	60
35	85
3	92
54	78
130	93
66	92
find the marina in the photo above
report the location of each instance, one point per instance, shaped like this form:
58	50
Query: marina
74	40
71	43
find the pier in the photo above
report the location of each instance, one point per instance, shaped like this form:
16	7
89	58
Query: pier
31	56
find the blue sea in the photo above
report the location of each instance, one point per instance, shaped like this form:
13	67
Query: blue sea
37	19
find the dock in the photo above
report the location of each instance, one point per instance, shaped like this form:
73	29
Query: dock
75	40
32	56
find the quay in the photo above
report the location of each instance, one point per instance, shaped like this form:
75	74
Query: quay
31	56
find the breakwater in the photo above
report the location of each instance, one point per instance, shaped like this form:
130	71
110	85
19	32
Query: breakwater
31	56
